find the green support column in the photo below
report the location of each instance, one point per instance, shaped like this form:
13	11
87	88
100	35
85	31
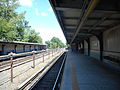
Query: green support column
23	48
100	38
88	42
30	48
83	47
3	49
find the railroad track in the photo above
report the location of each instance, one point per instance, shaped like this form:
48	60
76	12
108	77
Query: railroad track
49	81
20	60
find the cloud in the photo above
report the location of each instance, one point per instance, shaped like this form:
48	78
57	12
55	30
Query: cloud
36	11
26	2
48	33
43	14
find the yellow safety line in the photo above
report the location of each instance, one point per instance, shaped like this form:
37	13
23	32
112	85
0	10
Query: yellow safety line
75	85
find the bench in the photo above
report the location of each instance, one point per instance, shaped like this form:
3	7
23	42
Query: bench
113	58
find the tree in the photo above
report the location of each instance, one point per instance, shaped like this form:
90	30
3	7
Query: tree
48	44
8	18
13	26
21	26
32	36
55	43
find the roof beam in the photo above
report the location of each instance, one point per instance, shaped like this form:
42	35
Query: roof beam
67	9
70	27
103	26
97	26
114	27
106	15
79	10
89	10
80	34
93	18
73	30
76	18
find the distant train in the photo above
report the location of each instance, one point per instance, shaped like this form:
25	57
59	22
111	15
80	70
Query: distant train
19	47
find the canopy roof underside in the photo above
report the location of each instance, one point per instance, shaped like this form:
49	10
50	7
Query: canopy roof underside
81	19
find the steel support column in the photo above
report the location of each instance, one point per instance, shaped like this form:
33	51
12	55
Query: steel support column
30	48
3	49
100	38
83	47
23	48
88	42
15	48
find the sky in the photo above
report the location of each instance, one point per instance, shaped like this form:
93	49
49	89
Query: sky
41	18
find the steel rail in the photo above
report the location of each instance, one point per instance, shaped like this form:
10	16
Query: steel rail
59	72
27	82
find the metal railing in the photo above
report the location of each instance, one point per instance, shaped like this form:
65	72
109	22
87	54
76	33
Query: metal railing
11	63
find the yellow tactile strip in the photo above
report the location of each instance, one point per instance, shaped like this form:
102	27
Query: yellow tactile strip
75	85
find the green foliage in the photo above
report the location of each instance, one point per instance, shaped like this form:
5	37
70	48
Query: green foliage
55	43
48	43
13	26
32	36
8	19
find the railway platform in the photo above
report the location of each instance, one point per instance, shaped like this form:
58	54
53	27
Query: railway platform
85	73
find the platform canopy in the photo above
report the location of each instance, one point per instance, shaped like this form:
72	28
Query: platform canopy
81	19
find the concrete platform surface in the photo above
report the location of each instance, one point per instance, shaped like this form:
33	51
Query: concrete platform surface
85	73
